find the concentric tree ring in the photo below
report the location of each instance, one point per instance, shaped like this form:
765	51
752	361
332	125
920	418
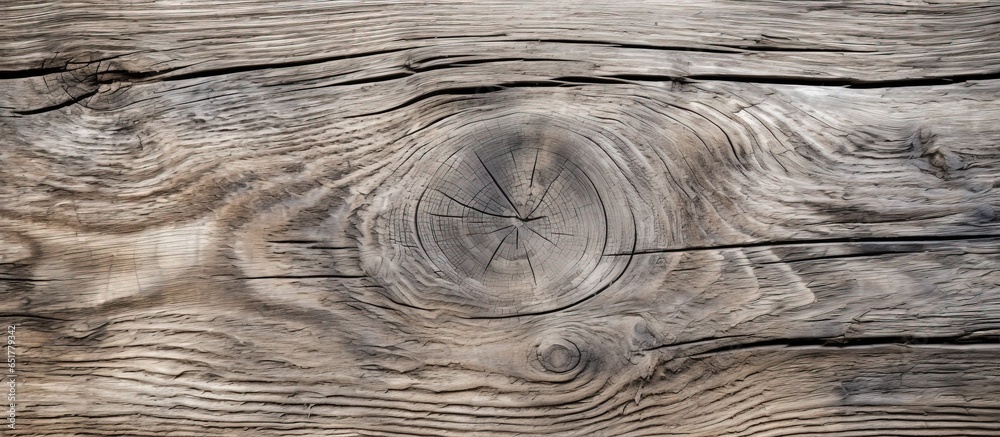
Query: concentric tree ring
513	215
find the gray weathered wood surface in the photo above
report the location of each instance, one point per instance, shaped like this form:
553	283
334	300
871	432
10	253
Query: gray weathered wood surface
495	218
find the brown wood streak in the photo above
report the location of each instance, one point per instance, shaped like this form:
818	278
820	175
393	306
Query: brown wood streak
208	217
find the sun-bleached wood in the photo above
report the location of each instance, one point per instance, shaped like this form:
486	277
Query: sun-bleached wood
500	218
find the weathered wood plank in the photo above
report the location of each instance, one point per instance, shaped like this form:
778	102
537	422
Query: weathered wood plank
860	40
321	219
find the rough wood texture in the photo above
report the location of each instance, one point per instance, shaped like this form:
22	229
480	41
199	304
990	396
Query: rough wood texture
493	218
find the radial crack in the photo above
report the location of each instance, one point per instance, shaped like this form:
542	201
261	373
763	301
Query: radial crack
544	193
482	211
540	235
531	181
490	232
495	251
527	256
499	187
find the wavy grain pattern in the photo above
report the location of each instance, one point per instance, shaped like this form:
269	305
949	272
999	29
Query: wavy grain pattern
496	218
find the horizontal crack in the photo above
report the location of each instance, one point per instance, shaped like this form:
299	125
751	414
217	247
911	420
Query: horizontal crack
467	91
623	45
31	316
847	82
304	277
295	241
10	279
912	340
273	65
30	72
59	105
811	242
760	48
471	62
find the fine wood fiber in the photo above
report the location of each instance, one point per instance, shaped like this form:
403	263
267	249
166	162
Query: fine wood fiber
501	218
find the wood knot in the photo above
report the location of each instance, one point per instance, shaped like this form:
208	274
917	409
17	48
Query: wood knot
558	356
516	220
941	162
513	215
99	83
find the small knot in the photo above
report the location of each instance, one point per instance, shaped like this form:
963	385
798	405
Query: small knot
558	356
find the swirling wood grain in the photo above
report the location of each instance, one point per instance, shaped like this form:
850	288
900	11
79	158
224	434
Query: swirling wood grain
392	218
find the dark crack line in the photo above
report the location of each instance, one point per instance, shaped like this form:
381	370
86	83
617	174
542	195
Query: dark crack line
849	82
534	279
846	82
60	105
10	279
497	184
294	241
32	316
760	48
546	192
791	260
416	221
304	277
481	211
837	82
273	65
471	62
475	91
543	237
531	181
831	343
628	263
496	251
446	215
390	299
705	49
512	160
604	210
30	72
811	242
360	81
489	232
